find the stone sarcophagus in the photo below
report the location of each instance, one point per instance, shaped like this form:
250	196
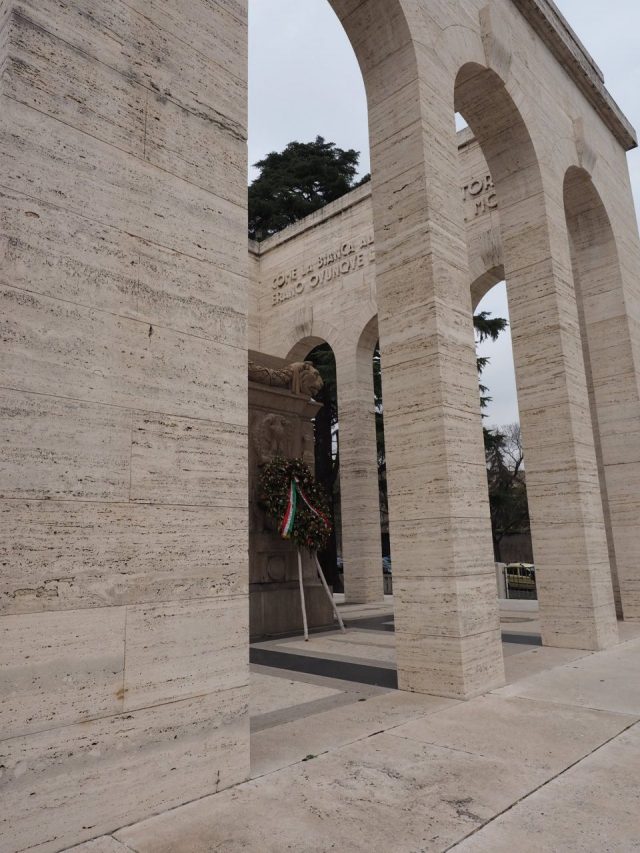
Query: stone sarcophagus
281	410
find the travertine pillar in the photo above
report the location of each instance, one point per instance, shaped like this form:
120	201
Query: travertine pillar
573	573
569	541
608	310
123	505
446	615
359	490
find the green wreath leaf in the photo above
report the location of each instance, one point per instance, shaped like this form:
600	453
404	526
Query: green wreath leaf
310	530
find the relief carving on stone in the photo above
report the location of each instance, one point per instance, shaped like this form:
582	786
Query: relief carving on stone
301	377
272	436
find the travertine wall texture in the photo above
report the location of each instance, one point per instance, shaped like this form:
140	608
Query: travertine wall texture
124	278
123	273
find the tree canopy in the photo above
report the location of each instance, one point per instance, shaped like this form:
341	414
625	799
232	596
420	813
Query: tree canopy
486	327
298	181
507	484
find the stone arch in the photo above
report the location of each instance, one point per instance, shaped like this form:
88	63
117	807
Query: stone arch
303	347
434	440
302	337
484	283
378	31
482	98
366	343
382	38
552	389
611	375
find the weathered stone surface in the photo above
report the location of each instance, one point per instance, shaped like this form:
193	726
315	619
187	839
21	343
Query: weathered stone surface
60	669
442	795
557	735
609	682
569	755
105	844
124	299
164	47
125	294
269	693
187	461
184	649
75	555
292	742
99	357
80	260
62	449
85	176
55	78
588	808
68	784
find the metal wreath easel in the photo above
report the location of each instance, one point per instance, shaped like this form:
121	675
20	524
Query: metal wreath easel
326	589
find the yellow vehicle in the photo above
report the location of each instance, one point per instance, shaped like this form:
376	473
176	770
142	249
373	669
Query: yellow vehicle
521	576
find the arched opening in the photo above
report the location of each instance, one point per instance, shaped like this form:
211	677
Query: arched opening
291	98
301	350
350	459
506	475
383	489
308	328
552	391
611	374
327	456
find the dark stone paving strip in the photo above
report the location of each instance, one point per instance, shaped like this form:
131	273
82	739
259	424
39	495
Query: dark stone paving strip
522	639
343	670
377	623
373	623
271	719
340	655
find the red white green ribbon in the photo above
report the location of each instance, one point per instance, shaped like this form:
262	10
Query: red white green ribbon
315	511
286	527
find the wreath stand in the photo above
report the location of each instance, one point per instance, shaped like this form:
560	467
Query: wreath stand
326	589
290	495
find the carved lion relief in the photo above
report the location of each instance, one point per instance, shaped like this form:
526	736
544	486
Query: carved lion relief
301	377
272	436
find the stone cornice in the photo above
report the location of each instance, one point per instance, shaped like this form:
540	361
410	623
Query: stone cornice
548	22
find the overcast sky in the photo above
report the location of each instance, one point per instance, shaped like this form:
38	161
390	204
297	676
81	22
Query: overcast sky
304	81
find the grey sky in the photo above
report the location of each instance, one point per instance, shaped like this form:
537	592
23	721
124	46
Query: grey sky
304	80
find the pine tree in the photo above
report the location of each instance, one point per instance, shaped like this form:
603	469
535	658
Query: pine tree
298	181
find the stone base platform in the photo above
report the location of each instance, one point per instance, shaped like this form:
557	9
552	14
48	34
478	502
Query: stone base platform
547	763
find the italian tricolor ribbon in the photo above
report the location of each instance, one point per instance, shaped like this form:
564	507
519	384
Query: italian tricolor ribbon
286	528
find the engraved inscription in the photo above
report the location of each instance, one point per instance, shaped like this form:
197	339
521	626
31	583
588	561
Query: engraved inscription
479	195
342	260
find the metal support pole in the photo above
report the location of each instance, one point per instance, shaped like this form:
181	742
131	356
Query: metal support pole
328	591
302	601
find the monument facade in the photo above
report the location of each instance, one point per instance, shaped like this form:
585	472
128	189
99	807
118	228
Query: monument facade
315	282
281	411
126	289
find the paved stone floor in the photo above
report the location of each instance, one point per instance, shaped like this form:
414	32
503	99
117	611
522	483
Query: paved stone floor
341	761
